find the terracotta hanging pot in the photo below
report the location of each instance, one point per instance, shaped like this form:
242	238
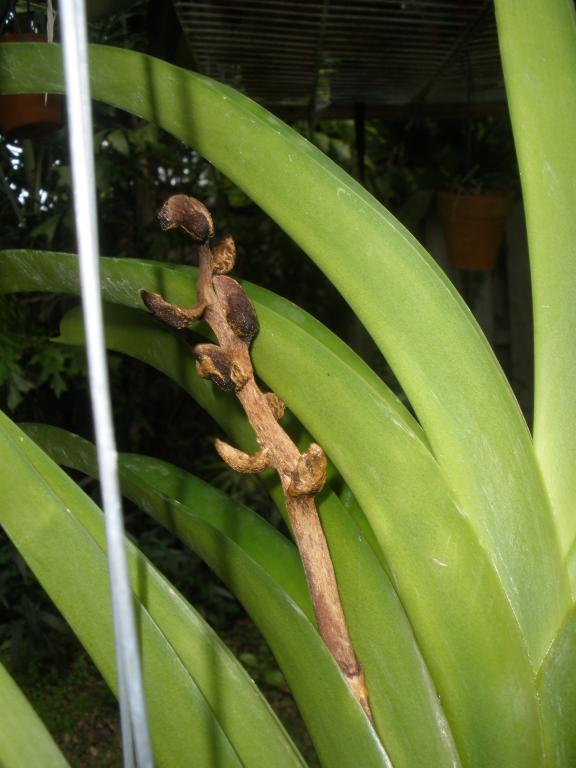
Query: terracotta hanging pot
474	228
28	115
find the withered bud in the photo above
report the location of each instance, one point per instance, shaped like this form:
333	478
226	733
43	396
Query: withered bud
189	214
239	311
169	313
240	461
277	406
213	363
224	256
309	475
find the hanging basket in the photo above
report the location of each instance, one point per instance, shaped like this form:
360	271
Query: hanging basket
474	228
28	115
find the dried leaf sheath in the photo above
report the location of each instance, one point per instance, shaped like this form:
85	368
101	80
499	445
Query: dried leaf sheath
225	307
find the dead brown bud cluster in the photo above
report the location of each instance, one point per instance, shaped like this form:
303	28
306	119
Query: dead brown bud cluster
240	314
188	214
215	364
223	304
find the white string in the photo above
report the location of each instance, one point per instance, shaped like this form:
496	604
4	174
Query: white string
135	735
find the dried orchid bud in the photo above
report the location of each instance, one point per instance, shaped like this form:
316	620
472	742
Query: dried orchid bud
309	475
169	313
239	311
213	363
224	256
188	214
240	461
276	405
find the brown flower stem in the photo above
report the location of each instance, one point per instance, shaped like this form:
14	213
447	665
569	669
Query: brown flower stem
225	307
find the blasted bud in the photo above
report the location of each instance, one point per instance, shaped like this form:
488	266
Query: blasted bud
169	313
188	214
240	461
309	475
240	313
224	256
276	405
213	363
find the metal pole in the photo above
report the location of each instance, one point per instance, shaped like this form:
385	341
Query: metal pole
135	735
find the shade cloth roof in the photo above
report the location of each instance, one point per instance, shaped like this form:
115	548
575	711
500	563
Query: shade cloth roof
334	54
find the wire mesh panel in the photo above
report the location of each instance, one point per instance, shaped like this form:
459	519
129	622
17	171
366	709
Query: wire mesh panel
338	53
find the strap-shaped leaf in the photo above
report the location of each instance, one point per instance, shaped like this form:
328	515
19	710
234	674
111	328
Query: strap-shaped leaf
414	314
351	505
258	539
200	700
446	583
337	724
571	563
24	740
539	57
33	270
25	270
402	696
557	690
341	733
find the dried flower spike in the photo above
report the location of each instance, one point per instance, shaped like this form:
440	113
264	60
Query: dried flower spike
188	214
228	311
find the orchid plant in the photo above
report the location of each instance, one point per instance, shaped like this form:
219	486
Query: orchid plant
453	543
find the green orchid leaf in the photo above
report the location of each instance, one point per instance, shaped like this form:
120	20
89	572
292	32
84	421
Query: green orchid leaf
351	505
338	727
33	270
404	699
121	280
557	690
415	733
24	740
539	58
200	700
258	539
571	563
463	401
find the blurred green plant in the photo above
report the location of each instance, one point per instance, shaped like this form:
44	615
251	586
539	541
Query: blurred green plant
488	163
27	359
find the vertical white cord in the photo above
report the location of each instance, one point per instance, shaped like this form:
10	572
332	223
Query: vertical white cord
135	736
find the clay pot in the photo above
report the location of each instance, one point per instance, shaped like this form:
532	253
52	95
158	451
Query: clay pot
28	115
474	228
